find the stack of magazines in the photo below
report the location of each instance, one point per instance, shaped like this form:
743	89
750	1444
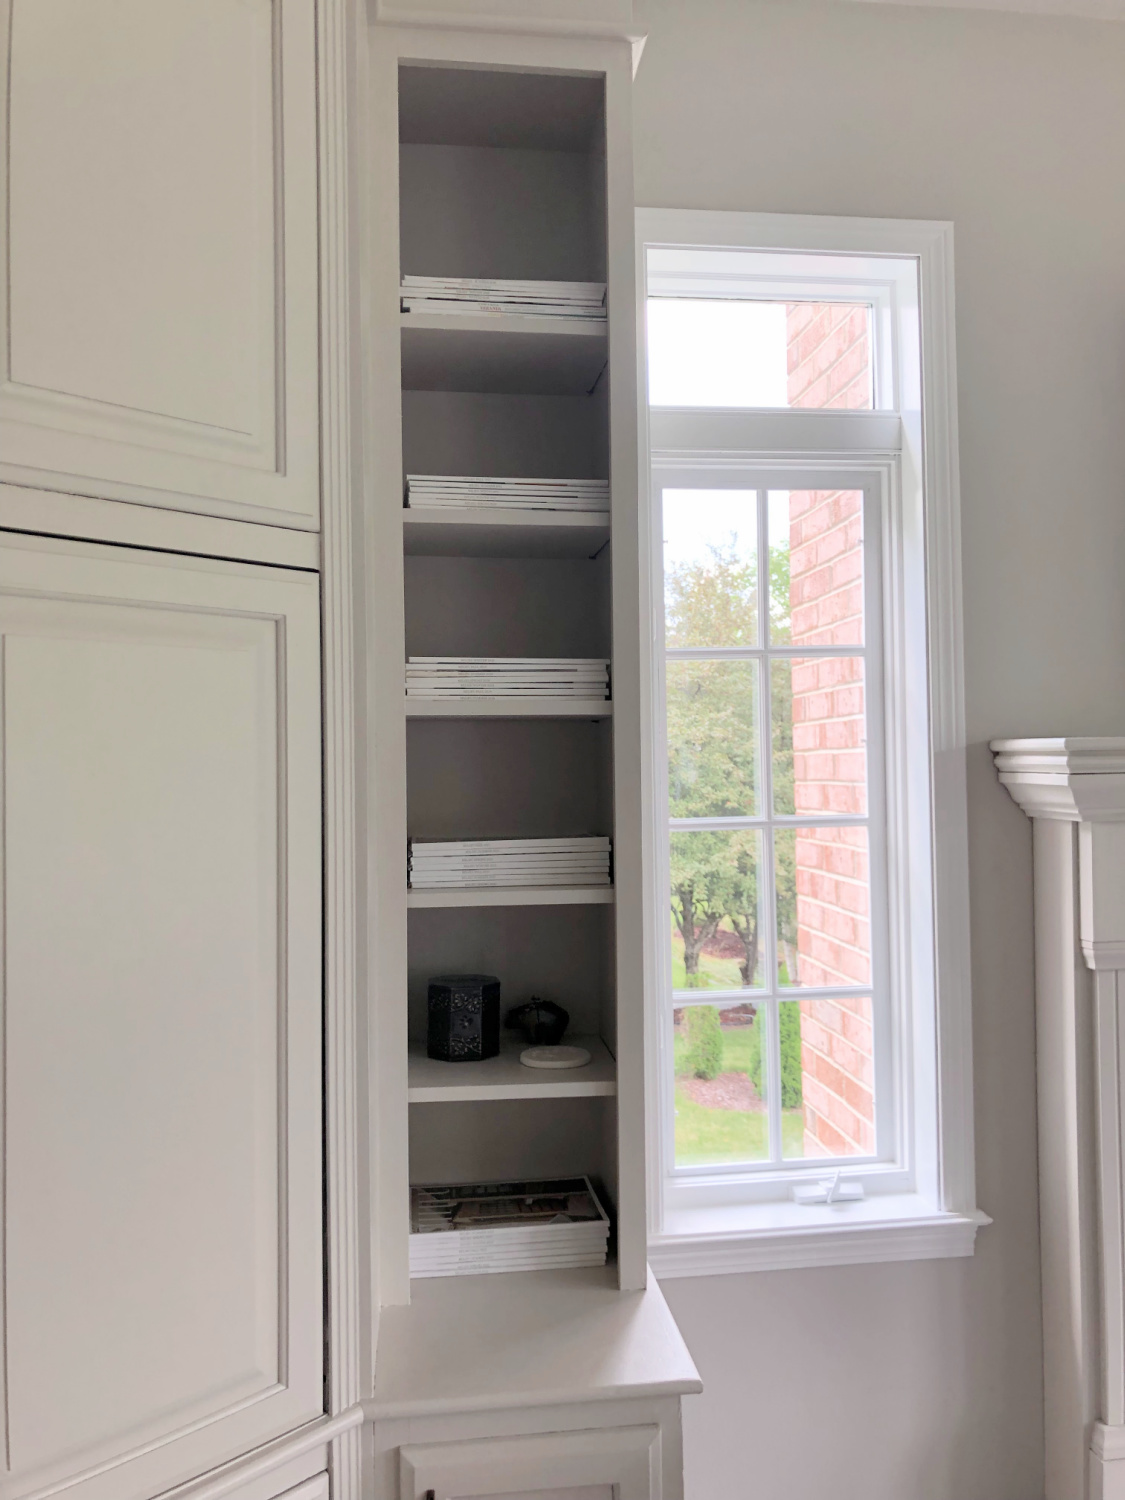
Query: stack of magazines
468	864
458	490
475	296
507	677
506	1226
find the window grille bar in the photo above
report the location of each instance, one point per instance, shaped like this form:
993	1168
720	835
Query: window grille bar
726	998
779	820
752	653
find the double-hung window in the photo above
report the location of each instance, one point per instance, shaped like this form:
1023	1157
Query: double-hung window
809	1061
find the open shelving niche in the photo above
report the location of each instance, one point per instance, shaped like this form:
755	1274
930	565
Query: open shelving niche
502	174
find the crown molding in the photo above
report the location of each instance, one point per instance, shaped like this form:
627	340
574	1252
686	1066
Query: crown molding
1074	780
1077	10
599	18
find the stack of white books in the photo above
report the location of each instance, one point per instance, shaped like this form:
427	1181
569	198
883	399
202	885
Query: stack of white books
477	296
507	677
506	1226
460	490
469	864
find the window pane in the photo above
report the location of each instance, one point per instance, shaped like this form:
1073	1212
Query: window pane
827	1077
712	738
711	567
721	1068
816	567
747	353
819	735
716	897
823	906
710	352
828	345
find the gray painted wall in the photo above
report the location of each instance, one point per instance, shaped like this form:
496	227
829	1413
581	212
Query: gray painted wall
922	1381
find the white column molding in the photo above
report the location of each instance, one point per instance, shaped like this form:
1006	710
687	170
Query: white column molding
339	32
1080	1038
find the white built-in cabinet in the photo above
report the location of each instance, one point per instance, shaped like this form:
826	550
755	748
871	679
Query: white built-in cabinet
158	253
161	853
207	587
179	1119
495	154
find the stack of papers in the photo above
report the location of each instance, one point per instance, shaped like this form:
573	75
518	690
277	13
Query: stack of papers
506	1226
477	296
507	677
515	494
469	864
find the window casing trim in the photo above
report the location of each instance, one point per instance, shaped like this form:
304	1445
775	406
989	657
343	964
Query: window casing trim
890	446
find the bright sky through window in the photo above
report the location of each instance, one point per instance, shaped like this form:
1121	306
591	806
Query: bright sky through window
744	353
716	353
731	517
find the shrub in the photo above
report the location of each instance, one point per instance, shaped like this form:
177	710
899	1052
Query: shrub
705	1041
790	1028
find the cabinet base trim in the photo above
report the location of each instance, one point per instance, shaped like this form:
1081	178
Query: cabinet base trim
264	1460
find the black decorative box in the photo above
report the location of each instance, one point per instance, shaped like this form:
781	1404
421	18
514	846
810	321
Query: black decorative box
464	1017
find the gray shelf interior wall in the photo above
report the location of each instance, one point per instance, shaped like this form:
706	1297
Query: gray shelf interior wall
496	1139
503	606
560	953
508	778
515	436
481	211
500	108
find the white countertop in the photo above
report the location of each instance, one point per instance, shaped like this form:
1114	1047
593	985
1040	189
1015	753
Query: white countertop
529	1338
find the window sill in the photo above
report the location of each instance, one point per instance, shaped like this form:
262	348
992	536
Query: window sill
787	1236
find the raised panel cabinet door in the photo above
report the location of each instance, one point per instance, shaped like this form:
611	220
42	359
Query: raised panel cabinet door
161	1009
158	253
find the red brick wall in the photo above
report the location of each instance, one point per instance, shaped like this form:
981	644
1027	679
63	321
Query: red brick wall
829	367
829	363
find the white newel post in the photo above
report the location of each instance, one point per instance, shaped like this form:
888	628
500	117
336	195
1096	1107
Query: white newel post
1074	789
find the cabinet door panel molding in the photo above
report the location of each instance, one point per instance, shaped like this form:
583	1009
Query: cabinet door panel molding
161	1010
158	242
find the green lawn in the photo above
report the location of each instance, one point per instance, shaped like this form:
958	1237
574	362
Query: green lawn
711	1136
714	973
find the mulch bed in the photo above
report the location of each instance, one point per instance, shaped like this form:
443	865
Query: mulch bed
727	1091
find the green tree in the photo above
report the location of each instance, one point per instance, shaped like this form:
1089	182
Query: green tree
744	902
712	603
705	1041
714	746
789	1037
699	893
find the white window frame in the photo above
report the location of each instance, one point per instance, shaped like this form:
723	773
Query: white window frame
920	1197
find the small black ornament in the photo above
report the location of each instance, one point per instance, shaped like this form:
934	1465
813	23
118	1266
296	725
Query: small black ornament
464	1017
542	1021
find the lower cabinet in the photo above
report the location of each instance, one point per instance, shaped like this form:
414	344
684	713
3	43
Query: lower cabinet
620	1463
160	831
628	1449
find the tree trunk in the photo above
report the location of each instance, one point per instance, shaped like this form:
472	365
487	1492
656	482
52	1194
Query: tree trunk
746	930
694	938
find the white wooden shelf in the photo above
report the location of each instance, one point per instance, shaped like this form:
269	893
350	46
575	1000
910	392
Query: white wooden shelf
508	708
471	531
505	1077
515	895
504	352
442	1353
